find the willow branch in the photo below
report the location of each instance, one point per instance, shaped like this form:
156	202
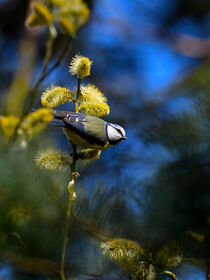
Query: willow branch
33	92
76	103
70	189
46	72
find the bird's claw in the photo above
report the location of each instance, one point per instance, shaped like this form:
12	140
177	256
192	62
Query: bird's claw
75	175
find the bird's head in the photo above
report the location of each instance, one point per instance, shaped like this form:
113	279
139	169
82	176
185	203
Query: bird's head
115	133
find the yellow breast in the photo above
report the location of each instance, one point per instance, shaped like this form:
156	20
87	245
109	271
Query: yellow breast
77	140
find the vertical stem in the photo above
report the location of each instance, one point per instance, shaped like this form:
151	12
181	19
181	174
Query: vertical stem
76	103
70	189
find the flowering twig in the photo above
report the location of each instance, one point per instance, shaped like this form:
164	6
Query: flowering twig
54	160
44	74
70	189
76	103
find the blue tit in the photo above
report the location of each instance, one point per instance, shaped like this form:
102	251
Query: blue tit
88	131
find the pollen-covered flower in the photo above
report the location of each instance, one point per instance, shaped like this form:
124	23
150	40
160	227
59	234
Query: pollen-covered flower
67	26
71	14
169	255
121	249
93	101
35	122
52	160
144	271
58	3
94	109
56	96
75	10
80	66
20	215
91	93
8	125
40	16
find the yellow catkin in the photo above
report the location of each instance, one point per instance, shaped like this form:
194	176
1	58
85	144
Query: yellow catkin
93	101
94	109
84	14
80	66
8	125
56	96
20	215
119	249
67	26
91	93
52	160
35	122
40	16
144	271
58	3
170	255
75	10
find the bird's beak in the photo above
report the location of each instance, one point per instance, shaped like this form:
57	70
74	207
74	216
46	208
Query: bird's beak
125	138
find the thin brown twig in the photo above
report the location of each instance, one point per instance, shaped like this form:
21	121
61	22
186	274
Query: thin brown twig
33	92
44	74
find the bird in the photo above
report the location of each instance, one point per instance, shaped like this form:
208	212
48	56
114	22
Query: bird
88	131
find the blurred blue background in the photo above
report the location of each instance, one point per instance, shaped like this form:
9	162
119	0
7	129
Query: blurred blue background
151	60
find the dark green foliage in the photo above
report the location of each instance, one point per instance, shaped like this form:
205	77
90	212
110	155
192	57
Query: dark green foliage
31	209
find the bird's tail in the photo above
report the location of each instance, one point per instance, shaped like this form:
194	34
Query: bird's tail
55	121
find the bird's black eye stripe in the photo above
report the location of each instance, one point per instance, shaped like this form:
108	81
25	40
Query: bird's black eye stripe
119	131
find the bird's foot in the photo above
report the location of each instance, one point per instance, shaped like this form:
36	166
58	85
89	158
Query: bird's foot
75	175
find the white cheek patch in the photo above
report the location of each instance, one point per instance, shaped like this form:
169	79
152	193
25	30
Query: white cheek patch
113	134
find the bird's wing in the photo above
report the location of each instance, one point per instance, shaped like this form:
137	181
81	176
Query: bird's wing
69	119
76	123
